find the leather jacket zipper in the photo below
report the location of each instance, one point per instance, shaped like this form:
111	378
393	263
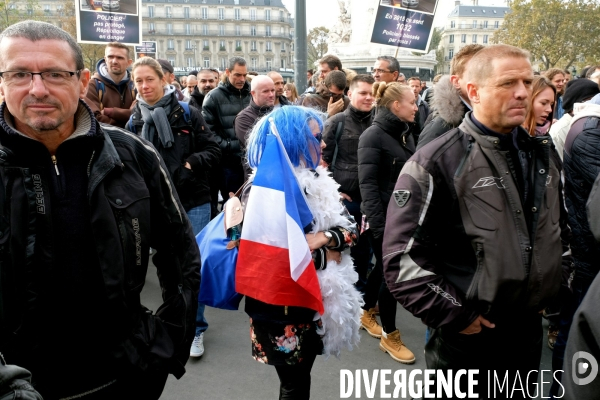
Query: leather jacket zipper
55	165
473	288
285	310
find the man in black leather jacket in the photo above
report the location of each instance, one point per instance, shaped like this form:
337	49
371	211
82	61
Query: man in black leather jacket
219	110
81	204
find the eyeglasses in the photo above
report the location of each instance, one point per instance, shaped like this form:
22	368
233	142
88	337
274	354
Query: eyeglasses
379	71
23	78
318	136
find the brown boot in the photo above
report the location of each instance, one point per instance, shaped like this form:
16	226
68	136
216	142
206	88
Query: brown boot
369	323
391	343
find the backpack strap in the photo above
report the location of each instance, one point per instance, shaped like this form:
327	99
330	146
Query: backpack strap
338	134
186	112
132	89
130	125
100	88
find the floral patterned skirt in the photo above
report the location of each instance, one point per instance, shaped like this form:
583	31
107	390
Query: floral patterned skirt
284	344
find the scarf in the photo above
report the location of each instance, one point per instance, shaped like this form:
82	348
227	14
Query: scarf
156	120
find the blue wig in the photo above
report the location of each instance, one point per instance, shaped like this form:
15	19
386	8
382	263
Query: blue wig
292	123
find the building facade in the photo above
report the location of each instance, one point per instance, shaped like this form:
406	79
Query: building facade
469	24
195	34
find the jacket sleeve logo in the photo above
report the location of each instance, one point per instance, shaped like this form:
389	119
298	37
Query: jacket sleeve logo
445	295
401	197
39	194
490	181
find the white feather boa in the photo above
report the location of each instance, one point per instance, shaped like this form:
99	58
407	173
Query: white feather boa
341	301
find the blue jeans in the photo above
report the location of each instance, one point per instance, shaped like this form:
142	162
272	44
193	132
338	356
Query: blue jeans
199	218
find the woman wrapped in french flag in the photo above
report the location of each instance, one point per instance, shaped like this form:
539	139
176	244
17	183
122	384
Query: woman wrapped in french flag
292	268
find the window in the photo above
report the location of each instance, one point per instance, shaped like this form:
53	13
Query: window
282	31
170	44
190	62
186	12
206	62
281	16
269	63
268	44
474	40
205	29
222	45
496	24
238	30
204	13
169	29
188	44
283	47
253	30
268	30
151	28
463	38
205	45
452	24
171	60
223	63
237	14
221	13
236	2
253	62
253	45
450	54
475	23
485	24
451	39
168	11
151	11
188	29
238	45
485	39
253	15
221	30
47	8
283	63
267	15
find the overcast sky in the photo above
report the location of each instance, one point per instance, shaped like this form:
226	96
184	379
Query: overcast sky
325	12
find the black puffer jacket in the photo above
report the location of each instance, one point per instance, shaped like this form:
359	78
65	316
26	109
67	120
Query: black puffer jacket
221	105
198	147
448	112
581	167
382	151
345	171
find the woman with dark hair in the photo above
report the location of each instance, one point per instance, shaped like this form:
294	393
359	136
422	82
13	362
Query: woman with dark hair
539	116
383	148
290	337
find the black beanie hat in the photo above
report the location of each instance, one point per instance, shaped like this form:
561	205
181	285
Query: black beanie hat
578	90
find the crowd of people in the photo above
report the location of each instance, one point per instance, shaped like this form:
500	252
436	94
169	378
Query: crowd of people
471	196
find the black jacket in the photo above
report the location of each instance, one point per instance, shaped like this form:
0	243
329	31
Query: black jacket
345	171
221	105
198	147
460	241
196	99
581	167
448	112
382	151
132	207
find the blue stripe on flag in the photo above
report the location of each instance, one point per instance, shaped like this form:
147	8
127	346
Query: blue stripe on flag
275	172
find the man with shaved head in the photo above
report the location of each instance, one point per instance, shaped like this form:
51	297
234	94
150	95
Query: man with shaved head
280	99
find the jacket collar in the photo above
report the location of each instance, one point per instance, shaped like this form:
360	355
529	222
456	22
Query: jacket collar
359	115
524	141
260	110
447	102
391	124
102	72
245	90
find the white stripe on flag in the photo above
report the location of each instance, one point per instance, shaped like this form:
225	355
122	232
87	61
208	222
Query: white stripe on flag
265	217
299	252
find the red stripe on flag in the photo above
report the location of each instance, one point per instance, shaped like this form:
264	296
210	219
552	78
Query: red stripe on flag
263	273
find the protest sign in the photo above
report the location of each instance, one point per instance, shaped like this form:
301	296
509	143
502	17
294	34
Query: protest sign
104	21
147	49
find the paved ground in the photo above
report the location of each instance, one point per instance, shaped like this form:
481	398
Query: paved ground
228	372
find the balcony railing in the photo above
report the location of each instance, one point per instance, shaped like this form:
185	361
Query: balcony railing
175	15
225	33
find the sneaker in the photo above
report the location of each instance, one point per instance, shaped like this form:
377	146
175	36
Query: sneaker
197	346
369	323
391	343
552	336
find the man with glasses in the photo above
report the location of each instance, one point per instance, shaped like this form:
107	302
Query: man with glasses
82	203
330	96
386	69
111	92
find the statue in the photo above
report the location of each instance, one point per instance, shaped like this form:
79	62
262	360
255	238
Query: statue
342	30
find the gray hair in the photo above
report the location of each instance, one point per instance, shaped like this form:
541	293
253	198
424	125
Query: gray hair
37	30
393	63
401	75
233	61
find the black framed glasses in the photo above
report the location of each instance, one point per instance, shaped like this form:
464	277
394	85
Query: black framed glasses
24	78
379	71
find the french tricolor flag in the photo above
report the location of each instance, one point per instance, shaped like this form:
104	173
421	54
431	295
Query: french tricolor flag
274	263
